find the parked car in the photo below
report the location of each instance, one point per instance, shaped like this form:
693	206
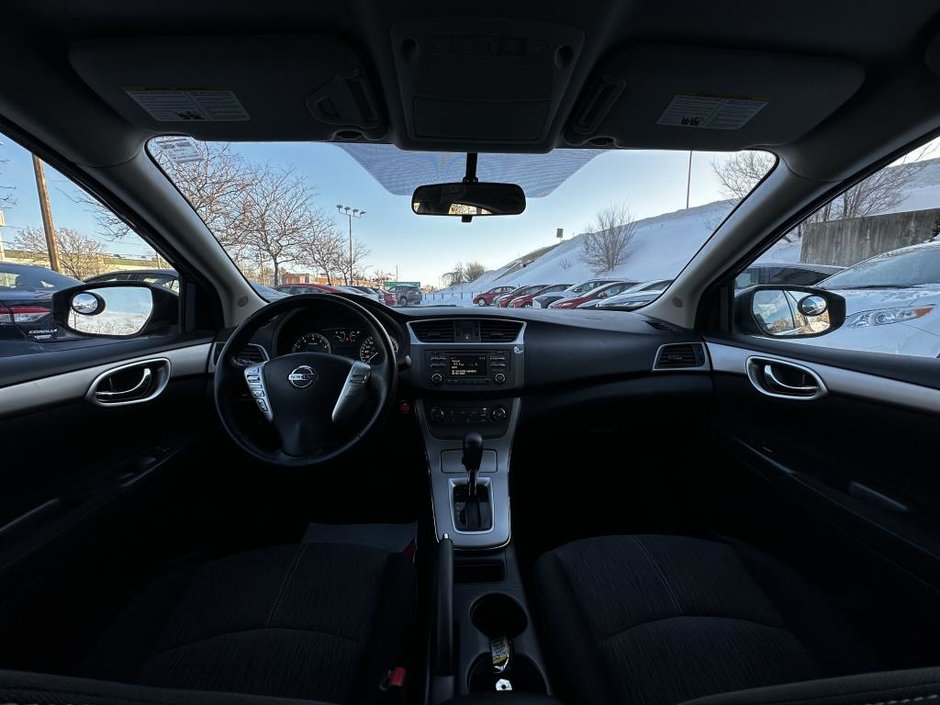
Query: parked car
796	273
644	292
600	292
486	298
525	301
304	288
370	291
503	301
543	300
892	303
407	295
26	301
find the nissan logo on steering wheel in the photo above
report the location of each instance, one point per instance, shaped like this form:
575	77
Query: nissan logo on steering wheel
302	377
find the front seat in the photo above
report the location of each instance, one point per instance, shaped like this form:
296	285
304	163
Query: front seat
658	620
318	622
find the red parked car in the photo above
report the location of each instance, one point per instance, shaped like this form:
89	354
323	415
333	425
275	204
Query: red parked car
486	298
504	301
601	292
526	301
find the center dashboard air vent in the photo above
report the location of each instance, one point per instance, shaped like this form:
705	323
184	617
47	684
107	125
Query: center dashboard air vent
681	356
434	331
496	331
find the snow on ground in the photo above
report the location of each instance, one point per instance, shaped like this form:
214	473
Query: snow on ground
660	248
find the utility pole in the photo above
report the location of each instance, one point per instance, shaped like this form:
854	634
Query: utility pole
45	208
350	213
2	223
688	182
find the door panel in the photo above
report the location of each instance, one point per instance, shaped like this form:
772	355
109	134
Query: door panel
841	483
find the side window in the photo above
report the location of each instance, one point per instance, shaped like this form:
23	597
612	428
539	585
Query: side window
877	245
54	236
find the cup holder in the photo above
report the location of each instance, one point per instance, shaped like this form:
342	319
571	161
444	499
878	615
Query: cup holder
498	615
522	673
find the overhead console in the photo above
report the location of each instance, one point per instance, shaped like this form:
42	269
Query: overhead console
492	82
286	87
685	97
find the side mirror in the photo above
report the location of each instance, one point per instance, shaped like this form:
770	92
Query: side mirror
116	309
788	311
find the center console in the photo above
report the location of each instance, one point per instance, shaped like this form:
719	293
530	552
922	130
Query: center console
470	373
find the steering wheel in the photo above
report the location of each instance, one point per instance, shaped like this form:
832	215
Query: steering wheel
316	402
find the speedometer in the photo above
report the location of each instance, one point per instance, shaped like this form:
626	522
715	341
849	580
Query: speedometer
312	342
370	353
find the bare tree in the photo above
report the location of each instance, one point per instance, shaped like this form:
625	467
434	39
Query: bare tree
741	172
79	256
473	271
215	186
279	215
604	245
342	265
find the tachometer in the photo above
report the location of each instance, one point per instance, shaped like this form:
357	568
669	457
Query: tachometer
369	352
312	342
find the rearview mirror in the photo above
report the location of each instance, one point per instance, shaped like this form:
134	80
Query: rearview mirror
788	312
115	309
468	200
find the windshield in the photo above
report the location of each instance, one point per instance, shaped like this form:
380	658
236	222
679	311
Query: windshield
318	213
901	268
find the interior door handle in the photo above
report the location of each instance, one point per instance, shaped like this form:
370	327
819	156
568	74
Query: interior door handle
119	394
775	381
132	383
783	379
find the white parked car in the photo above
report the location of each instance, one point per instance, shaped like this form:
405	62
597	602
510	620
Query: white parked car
892	303
634	297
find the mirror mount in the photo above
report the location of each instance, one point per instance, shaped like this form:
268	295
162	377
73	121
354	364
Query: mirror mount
470	177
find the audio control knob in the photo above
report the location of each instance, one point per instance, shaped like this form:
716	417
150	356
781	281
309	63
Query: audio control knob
499	413
437	414
499	378
437	378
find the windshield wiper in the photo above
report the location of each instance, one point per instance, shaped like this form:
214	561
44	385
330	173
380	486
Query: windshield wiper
873	286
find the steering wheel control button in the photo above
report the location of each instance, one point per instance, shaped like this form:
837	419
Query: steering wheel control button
255	382
302	377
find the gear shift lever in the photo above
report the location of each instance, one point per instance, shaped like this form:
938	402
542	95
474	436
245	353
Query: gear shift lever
472	456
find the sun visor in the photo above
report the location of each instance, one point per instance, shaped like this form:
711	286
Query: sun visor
679	97
493	83
235	88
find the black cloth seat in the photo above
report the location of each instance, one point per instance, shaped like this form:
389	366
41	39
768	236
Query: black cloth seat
314	621
657	620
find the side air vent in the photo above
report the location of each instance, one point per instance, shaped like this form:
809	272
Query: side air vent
680	356
434	331
662	325
251	354
494	331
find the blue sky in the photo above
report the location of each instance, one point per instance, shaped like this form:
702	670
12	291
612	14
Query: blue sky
421	248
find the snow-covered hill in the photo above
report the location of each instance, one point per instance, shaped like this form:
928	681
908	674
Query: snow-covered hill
661	246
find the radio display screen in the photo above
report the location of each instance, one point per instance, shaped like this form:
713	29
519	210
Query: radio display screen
467	365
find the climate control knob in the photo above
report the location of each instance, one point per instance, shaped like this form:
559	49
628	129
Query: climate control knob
499	378
437	378
437	414
499	413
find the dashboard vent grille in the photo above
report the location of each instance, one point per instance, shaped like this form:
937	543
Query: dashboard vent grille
434	331
494	331
680	356
251	354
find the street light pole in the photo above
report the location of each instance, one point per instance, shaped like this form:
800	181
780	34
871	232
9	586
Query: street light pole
350	213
